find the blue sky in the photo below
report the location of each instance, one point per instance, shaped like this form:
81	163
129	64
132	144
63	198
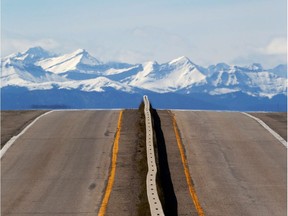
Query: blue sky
208	32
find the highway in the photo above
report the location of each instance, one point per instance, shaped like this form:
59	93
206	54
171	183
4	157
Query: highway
237	167
60	165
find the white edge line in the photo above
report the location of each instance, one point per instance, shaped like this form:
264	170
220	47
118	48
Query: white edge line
14	138
276	135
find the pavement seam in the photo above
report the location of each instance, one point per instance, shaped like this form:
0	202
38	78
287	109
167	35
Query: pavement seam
111	177
192	191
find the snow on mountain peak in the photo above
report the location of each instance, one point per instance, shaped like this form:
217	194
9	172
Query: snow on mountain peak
180	60
79	51
86	58
149	66
180	74
280	70
176	74
255	67
29	56
36	51
98	84
218	67
69	62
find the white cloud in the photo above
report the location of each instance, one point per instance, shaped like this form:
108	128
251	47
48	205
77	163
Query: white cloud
277	46
12	45
269	55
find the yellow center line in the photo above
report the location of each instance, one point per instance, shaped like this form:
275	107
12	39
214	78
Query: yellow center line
186	169
113	168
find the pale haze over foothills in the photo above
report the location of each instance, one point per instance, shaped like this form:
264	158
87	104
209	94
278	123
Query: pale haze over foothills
208	32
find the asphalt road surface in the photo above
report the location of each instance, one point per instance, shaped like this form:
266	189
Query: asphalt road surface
237	167
60	165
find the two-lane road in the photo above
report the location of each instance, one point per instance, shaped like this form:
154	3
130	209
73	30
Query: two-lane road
60	165
237	166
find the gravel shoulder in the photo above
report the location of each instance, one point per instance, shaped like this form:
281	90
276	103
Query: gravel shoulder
13	122
276	121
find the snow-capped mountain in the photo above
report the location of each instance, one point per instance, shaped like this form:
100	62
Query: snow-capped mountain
99	84
37	69
20	70
68	62
252	80
280	70
169	77
30	56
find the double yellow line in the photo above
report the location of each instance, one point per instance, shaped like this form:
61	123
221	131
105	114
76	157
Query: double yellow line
186	169
113	168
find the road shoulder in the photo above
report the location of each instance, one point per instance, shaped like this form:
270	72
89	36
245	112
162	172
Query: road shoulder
276	121
13	122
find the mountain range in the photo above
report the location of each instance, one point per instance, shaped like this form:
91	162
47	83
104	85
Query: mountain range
37	78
